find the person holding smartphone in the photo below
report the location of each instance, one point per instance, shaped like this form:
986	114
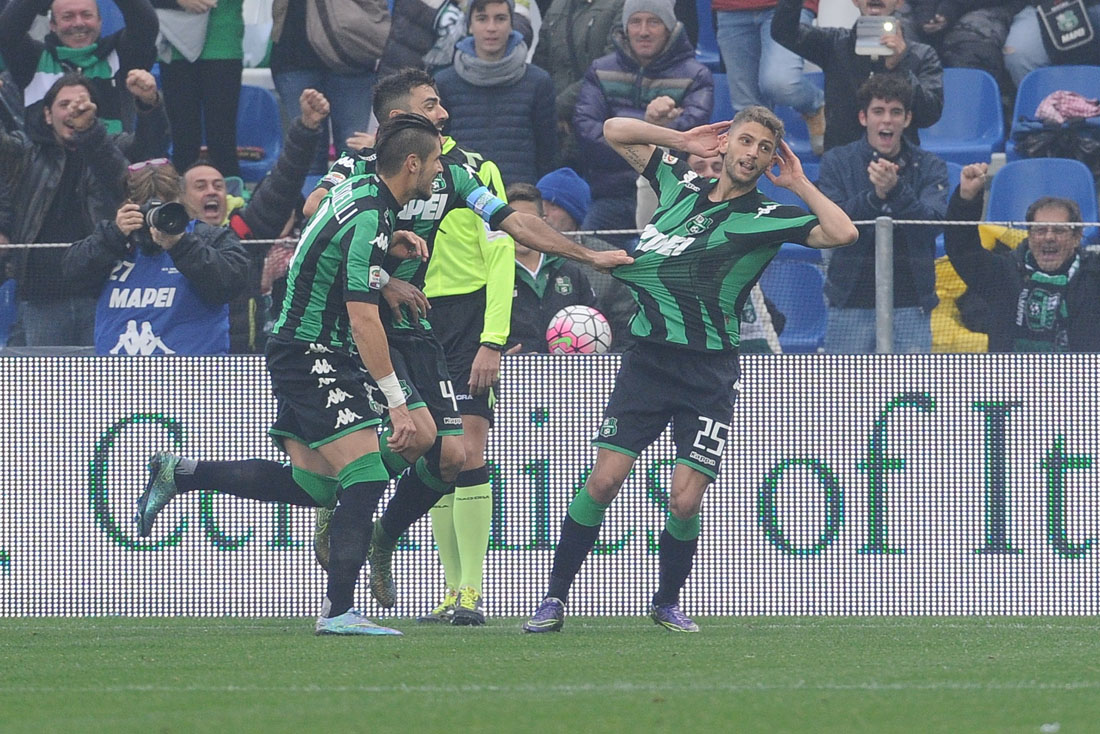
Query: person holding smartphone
834	50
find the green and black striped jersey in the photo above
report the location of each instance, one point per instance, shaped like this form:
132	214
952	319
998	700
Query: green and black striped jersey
338	259
697	260
458	186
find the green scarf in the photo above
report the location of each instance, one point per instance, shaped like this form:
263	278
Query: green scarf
1042	313
57	60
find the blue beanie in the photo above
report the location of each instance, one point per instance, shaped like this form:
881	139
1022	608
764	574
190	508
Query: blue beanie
568	190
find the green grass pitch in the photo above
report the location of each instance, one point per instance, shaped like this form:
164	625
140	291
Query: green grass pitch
776	674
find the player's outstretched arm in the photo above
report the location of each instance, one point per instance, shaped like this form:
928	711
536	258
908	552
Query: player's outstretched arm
635	140
835	228
529	230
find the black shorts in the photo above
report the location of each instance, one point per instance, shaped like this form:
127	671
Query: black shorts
422	370
321	394
457	322
656	384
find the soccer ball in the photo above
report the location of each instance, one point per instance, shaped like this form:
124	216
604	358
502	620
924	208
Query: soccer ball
578	330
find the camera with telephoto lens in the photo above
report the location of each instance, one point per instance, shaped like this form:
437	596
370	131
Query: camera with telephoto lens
170	218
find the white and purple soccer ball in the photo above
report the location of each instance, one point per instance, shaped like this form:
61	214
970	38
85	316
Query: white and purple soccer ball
578	330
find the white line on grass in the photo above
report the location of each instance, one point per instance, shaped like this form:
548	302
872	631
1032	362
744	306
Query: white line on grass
623	687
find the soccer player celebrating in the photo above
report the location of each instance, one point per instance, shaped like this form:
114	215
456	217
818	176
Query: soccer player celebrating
695	264
469	279
329	327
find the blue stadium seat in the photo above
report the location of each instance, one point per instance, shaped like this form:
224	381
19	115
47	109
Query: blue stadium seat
797	136
706	50
1021	182
723	106
1039	83
258	125
310	184
111	17
971	127
797	288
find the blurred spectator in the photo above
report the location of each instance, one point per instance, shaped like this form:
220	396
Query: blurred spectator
1044	296
965	33
11	102
500	105
296	66
1029	47
423	34
9	304
264	217
883	174
574	34
74	44
161	291
69	172
565	201
200	72
652	75
545	284
762	72
833	50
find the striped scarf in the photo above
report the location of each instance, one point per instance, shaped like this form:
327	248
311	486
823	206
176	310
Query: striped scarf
98	65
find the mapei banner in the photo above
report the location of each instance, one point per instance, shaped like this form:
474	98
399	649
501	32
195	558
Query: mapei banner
928	484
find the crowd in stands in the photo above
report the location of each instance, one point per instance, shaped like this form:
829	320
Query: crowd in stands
98	130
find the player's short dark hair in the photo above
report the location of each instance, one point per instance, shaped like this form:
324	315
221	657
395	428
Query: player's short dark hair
476	5
1071	207
392	91
400	135
761	116
72	79
888	88
524	192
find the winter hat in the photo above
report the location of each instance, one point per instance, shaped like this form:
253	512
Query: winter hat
663	9
568	190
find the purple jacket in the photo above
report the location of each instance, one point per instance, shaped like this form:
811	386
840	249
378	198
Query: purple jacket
616	86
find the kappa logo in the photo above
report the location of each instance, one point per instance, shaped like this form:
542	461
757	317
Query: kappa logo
315	348
686	181
143	342
609	428
321	367
322	382
563	284
766	209
699	224
346	417
336	396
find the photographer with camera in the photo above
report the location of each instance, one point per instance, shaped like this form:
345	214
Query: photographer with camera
164	281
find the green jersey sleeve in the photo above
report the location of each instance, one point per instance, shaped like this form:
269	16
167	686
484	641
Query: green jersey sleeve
367	241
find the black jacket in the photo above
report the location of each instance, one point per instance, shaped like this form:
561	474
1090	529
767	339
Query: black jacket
559	283
998	278
211	258
833	49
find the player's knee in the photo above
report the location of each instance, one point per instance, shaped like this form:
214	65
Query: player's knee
452	459
603	487
684	506
425	437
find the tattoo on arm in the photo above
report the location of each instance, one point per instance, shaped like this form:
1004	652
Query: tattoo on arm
634	155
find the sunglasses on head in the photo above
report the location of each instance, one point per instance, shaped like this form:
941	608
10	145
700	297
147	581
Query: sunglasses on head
142	164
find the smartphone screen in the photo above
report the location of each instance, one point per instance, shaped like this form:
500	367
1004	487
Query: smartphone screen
869	31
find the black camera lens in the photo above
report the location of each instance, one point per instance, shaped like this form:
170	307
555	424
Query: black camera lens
170	218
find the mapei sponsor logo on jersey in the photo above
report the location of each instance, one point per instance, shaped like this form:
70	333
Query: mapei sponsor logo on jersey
142	297
766	209
346	417
699	224
426	209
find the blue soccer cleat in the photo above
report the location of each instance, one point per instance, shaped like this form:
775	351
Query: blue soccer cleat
351	622
549	617
158	492
671	618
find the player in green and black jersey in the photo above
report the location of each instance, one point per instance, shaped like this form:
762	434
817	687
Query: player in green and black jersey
469	277
697	260
327	409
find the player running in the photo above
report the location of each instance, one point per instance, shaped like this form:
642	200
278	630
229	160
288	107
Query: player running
697	260
329	328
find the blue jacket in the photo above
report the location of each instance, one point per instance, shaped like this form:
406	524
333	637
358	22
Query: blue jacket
921	193
617	86
514	126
